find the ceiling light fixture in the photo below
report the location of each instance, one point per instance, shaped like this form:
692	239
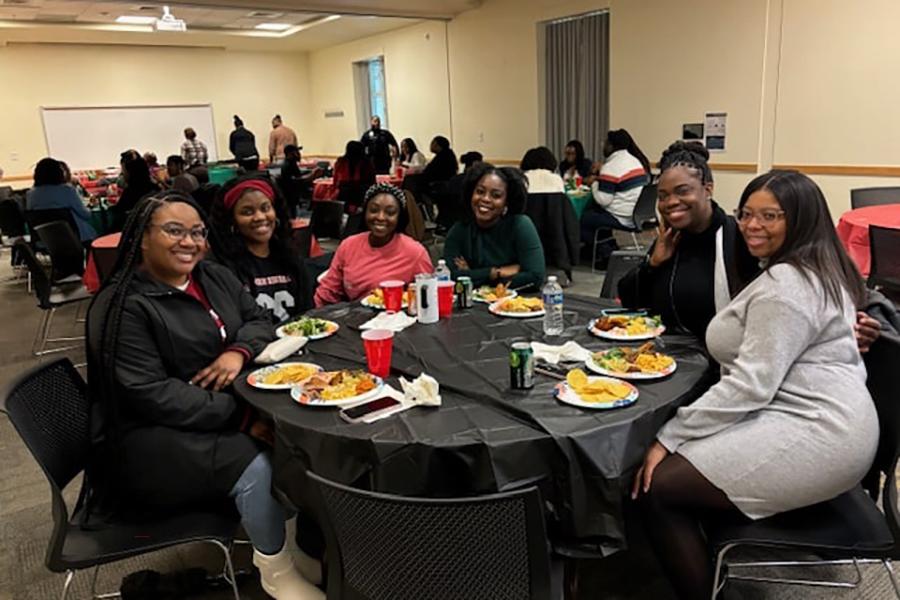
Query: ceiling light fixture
274	26
168	22
135	20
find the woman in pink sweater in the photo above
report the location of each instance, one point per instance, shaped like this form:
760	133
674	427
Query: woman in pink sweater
364	260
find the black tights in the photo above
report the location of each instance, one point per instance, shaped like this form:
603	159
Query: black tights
679	494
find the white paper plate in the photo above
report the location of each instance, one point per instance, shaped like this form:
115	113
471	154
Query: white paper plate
590	364
608	335
509	294
331	324
567	395
254	379
495	309
365	302
298	394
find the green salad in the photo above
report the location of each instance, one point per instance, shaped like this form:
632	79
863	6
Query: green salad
307	326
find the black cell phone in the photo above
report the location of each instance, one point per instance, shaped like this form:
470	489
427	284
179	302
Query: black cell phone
358	412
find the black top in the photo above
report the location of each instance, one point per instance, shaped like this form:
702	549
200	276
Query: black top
442	167
583	167
682	289
378	143
130	197
242	144
274	286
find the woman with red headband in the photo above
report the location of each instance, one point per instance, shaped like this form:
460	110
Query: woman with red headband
364	260
251	218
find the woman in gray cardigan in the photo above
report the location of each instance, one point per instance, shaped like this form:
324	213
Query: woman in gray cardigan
791	422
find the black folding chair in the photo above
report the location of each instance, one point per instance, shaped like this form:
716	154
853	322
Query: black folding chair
848	530
65	249
620	263
49	408
643	217
327	219
384	547
874	196
35	218
884	250
12	229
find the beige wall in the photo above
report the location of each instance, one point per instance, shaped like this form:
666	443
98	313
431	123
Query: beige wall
415	65
253	85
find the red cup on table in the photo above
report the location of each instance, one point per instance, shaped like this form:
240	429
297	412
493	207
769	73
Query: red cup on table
445	298
379	344
393	295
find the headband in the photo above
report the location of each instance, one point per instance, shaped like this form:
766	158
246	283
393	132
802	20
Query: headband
235	193
386	188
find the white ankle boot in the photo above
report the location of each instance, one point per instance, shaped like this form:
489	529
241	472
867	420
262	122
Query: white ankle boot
309	567
281	580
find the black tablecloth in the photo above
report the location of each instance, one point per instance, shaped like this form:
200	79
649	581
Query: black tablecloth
485	437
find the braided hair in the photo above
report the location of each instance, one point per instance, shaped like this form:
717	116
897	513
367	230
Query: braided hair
620	139
103	327
692	155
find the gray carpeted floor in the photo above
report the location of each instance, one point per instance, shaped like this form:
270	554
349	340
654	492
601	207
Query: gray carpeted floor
25	521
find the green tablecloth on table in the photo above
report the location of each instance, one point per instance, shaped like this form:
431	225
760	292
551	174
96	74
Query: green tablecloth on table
100	219
580	201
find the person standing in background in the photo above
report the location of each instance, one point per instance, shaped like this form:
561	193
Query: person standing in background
281	136
378	143
242	144
193	150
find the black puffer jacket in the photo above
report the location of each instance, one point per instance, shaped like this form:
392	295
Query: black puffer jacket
180	443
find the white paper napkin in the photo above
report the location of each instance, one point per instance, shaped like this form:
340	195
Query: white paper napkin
395	322
281	349
570	351
421	391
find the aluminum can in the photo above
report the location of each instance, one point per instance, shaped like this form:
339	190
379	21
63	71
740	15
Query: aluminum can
411	299
464	292
521	366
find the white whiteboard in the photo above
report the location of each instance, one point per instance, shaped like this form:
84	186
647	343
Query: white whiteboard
93	137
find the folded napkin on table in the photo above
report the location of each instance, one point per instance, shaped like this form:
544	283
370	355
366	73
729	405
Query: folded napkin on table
281	349
570	351
421	391
395	322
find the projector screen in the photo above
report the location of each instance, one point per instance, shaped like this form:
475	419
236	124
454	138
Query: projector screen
93	137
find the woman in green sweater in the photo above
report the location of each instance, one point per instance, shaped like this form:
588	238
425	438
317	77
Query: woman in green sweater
496	242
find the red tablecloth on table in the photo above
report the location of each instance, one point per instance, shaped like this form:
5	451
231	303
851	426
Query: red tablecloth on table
324	188
104	249
853	230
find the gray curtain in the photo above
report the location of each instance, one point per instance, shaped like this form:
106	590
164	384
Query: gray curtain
577	83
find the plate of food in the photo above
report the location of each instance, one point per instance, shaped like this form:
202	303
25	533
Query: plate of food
518	307
643	362
489	294
594	392
627	327
375	299
337	388
282	376
310	327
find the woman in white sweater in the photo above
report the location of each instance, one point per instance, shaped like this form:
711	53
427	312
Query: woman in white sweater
791	422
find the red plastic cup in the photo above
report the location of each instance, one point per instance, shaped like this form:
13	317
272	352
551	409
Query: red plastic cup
578	181
393	295
379	344
445	298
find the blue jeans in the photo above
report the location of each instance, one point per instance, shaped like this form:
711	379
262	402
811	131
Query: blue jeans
261	515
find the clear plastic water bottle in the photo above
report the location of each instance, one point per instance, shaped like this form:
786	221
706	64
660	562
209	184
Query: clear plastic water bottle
553	307
443	271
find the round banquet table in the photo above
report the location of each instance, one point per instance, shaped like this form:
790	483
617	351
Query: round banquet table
853	230
104	249
324	188
484	437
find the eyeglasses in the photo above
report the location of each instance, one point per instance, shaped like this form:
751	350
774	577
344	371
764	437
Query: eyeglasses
177	233
763	217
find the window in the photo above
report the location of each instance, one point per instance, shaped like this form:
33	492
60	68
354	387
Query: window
371	92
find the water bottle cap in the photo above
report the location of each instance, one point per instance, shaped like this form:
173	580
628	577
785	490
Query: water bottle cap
442	262
551	279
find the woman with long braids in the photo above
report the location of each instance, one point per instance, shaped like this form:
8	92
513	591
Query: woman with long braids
790	423
167	335
254	235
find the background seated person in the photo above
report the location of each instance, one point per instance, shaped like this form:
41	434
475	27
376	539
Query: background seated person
539	167
179	179
364	260
354	173
296	183
410	158
496	242
574	161
255	241
51	191
167	336
137	185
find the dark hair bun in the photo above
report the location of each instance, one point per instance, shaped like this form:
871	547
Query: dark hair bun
691	154
692	147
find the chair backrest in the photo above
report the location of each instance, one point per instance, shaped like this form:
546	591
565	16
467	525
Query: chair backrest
884	249
65	249
356	223
12	221
352	194
40	282
5	192
874	196
397	548
645	209
49	408
620	263
302	240
416	228
36	218
327	219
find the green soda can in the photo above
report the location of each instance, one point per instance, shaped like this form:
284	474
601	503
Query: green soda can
464	292
521	366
